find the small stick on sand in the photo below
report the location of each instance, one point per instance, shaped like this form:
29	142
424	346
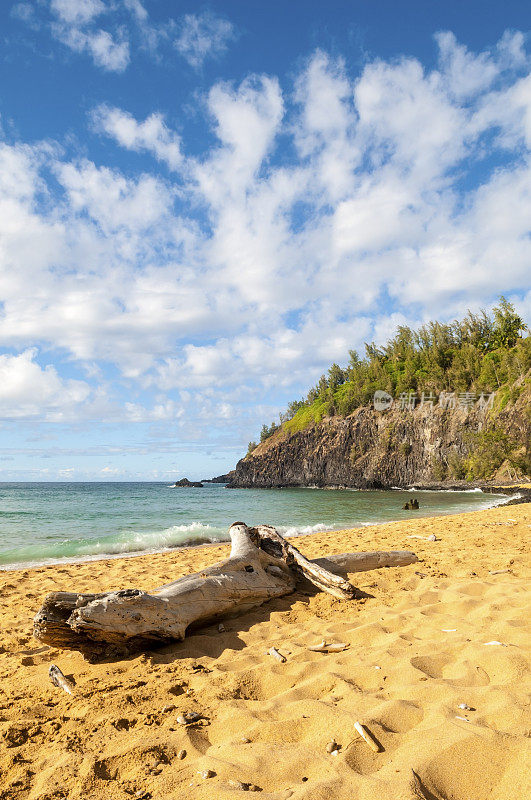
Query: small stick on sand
332	647
279	657
58	679
367	736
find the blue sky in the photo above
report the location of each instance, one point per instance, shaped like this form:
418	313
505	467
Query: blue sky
203	206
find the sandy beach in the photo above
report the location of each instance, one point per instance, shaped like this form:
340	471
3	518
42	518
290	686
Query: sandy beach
426	638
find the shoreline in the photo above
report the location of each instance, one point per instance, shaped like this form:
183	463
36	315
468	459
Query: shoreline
416	651
522	495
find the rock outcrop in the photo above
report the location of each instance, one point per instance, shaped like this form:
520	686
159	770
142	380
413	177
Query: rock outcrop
185	483
377	449
221	478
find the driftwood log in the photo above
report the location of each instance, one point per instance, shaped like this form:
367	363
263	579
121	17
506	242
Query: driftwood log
262	565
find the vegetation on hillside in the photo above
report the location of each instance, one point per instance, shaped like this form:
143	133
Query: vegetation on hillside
481	353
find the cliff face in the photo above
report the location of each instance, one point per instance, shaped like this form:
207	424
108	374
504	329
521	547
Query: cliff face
373	449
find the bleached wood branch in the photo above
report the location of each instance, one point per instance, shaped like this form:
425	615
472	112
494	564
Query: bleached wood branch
262	565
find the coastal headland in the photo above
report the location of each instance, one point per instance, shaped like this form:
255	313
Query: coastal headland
436	669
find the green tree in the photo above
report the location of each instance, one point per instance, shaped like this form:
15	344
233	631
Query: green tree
480	353
336	377
508	325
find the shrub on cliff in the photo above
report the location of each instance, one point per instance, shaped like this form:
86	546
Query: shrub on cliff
480	353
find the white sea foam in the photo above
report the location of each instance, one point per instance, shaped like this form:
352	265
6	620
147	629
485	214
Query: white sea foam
506	499
174	536
304	530
440	491
130	544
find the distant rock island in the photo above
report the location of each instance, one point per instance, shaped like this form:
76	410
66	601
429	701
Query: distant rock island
184	482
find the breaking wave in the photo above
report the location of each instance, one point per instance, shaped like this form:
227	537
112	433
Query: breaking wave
304	530
174	536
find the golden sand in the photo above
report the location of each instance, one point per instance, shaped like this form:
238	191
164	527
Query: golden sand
417	650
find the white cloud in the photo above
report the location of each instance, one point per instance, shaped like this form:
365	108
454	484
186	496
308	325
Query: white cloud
108	52
322	214
203	36
465	73
136	8
27	390
86	26
77	12
151	135
109	30
246	122
113	201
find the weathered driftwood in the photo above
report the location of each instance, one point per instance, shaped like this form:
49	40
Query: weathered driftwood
262	565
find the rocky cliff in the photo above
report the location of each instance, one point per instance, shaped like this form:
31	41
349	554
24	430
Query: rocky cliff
378	449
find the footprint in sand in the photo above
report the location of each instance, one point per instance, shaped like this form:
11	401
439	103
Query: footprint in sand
457	673
475	769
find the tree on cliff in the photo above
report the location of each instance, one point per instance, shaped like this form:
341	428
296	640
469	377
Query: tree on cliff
480	353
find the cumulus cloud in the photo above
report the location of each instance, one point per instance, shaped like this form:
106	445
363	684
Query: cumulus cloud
152	135
113	201
27	390
73	25
320	210
203	36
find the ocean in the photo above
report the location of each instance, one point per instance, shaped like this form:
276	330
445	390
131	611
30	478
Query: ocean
50	523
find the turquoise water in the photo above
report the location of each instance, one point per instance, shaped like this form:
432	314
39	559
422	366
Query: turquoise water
42	523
